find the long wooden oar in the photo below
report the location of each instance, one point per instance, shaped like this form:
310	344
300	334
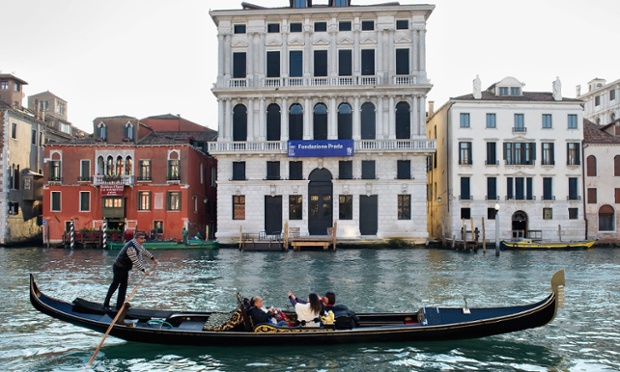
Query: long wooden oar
118	314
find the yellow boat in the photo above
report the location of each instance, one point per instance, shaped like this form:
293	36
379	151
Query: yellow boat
532	244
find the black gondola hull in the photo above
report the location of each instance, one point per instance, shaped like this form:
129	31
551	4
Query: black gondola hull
186	328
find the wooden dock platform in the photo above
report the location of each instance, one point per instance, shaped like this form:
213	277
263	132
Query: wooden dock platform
314	241
261	242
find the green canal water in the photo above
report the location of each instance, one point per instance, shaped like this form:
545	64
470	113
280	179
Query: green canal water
584	336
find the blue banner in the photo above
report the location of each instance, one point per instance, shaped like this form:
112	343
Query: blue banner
320	148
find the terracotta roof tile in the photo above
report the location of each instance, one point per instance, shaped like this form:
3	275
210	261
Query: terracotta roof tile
594	133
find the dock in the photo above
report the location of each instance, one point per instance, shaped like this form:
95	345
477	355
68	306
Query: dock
261	242
292	238
289	237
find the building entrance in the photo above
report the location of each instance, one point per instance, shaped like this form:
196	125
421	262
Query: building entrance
320	202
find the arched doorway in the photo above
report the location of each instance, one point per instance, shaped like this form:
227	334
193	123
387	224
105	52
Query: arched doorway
320	202
519	225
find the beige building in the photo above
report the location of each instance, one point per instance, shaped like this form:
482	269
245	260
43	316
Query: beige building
53	110
21	159
601	150
601	102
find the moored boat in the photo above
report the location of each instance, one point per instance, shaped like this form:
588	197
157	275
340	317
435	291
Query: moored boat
191	244
531	244
195	328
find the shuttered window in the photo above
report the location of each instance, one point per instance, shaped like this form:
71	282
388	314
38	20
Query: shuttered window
368	62
344	63
402	61
320	63
296	63
592	195
273	64
239	65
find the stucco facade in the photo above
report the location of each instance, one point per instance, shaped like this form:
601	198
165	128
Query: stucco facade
601	151
133	178
21	157
601	101
515	149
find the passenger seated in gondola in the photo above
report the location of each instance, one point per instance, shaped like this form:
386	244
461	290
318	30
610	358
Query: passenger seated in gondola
345	317
261	315
308	312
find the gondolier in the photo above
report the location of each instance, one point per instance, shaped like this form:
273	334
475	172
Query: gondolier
131	255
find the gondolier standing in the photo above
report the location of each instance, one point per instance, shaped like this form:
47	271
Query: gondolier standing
131	254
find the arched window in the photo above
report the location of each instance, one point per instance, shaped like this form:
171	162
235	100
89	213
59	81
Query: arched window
606	220
345	121
100	166
101	131
174	166
320	121
368	121
240	123
274	120
403	121
128	166
129	131
120	165
109	166
591	166
296	122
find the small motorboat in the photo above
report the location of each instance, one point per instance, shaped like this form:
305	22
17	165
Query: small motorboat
534	244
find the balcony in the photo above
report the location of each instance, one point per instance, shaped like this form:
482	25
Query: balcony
423	146
113	180
519	130
173	178
321	81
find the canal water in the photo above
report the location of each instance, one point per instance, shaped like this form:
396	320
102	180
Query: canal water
584	336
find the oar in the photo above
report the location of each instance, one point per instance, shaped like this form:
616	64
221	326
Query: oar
118	314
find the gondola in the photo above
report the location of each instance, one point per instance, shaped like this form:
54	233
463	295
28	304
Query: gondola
232	329
529	244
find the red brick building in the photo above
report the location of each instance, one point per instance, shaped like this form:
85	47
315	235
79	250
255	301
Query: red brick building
151	175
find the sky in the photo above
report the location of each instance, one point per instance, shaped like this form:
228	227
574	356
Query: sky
151	57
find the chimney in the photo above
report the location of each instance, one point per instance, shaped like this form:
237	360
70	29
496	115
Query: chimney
431	108
578	88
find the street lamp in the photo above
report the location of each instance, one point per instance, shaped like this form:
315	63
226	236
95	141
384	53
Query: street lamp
497	229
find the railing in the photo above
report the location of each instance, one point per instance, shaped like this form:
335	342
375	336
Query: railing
321	81
112	180
365	146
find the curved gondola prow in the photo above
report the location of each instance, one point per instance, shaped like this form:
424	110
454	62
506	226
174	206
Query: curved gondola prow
557	286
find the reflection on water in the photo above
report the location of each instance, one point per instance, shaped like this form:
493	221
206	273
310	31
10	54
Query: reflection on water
583	336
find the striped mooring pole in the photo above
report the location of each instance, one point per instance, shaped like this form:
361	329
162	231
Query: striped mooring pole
105	234
72	228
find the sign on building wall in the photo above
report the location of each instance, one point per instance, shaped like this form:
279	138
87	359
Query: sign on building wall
112	190
320	148
159	200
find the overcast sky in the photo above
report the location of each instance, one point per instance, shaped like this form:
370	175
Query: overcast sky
151	57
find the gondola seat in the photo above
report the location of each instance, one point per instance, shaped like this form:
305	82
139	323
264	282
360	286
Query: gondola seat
225	321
